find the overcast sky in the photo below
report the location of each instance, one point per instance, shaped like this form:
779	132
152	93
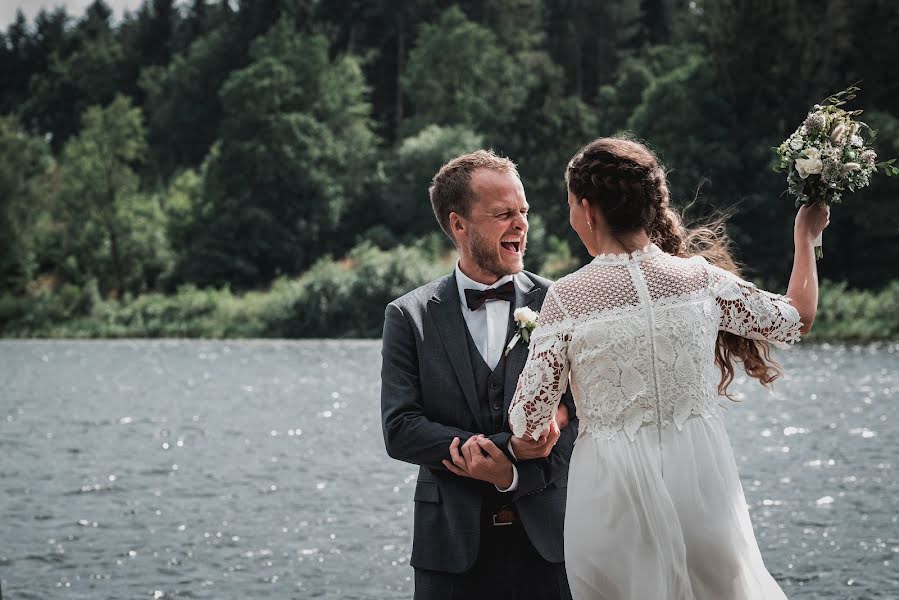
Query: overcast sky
75	8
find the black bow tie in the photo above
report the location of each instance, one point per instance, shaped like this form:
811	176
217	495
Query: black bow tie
476	298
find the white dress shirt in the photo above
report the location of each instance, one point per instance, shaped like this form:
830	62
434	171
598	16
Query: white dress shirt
488	326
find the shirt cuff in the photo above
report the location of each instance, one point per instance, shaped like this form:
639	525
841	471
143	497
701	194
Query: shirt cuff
511	451
514	486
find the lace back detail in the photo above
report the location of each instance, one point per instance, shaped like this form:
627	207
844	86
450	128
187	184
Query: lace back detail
636	334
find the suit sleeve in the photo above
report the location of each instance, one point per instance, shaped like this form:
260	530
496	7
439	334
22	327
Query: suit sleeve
408	434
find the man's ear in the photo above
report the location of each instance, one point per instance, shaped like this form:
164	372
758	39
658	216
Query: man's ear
455	223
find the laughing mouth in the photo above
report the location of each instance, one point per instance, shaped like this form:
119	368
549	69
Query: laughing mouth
511	246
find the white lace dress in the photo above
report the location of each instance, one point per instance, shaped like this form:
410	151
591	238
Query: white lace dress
655	507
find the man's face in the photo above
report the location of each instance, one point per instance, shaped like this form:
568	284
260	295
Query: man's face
494	234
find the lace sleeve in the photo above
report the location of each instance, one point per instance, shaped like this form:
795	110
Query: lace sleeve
545	375
753	313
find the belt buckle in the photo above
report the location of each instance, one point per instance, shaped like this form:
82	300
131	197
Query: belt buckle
495	524
510	514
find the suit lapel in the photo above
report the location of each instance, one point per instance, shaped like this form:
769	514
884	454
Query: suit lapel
527	294
447	313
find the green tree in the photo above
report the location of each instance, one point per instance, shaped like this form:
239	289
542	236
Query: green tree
518	24
296	149
478	84
655	26
586	39
24	165
199	19
182	204
406	208
183	106
111	232
864	232
382	31
548	130
26	52
867	53
156	22
87	72
16	64
147	37
690	130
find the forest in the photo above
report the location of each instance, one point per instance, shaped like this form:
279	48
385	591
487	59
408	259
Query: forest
260	168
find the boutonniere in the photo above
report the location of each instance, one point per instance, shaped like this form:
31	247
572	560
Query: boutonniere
526	320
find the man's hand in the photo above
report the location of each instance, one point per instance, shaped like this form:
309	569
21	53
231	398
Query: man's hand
562	416
526	448
479	458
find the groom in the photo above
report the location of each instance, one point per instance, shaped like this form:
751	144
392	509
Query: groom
489	507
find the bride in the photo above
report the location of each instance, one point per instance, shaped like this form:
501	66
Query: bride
648	334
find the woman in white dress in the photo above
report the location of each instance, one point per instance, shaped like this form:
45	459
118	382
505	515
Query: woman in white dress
647	334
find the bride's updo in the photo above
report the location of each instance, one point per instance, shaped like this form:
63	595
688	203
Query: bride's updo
624	180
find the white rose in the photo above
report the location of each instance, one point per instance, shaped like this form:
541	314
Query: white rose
525	315
796	143
811	164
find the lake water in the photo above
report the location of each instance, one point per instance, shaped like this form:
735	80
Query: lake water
248	469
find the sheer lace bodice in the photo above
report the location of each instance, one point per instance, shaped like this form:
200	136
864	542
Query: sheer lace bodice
637	335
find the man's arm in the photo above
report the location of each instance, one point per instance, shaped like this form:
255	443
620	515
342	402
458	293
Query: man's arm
408	434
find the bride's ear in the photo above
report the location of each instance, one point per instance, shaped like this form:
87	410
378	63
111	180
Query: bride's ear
591	216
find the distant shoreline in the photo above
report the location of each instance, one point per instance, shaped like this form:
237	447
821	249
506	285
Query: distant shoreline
336	302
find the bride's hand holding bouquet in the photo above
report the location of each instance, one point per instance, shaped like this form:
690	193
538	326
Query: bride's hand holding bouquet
830	154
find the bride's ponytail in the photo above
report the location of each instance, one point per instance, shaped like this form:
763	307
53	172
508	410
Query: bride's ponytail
666	230
710	241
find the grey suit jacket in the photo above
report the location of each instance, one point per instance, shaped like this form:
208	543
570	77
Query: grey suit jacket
428	397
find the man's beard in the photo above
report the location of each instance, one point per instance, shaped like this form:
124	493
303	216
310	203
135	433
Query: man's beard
486	256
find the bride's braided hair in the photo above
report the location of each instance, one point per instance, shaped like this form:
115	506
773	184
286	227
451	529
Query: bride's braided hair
624	180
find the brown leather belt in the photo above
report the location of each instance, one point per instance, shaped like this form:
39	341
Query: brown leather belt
506	515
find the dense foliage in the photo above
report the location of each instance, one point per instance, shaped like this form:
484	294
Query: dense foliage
150	165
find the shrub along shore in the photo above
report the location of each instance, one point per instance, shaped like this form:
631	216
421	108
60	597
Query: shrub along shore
339	299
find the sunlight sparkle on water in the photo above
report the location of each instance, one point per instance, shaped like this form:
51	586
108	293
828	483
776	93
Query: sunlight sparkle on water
825	512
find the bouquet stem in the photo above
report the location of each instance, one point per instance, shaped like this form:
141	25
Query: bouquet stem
819	249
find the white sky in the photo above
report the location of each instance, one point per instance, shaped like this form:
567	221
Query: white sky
74	8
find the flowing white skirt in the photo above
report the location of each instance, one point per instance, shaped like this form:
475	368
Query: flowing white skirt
632	533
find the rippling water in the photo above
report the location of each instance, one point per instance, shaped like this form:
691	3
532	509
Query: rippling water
207	469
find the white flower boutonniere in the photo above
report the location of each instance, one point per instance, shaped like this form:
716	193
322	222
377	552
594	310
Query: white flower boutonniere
526	319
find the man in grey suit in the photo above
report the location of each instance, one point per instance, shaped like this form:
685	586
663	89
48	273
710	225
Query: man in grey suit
489	507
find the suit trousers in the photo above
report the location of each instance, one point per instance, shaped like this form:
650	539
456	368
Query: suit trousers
508	567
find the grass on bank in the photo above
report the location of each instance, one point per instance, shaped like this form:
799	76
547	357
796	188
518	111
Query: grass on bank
339	299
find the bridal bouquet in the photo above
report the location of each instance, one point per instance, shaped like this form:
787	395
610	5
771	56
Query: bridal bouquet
829	154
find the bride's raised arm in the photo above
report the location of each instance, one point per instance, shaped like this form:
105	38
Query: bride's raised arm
545	375
753	313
